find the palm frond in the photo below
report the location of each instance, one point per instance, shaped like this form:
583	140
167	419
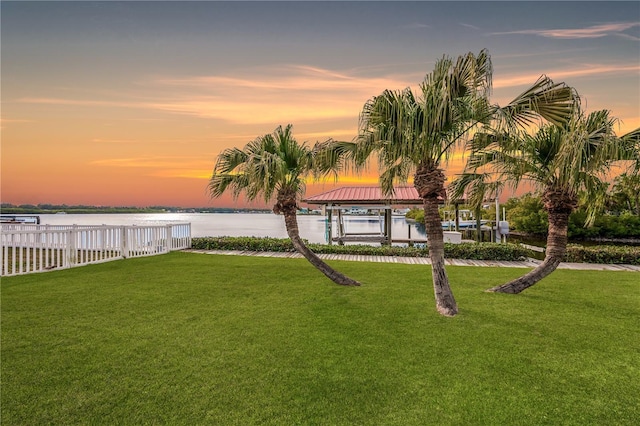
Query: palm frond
472	75
555	102
588	146
596	190
394	174
476	188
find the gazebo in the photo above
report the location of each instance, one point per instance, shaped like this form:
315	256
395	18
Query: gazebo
373	199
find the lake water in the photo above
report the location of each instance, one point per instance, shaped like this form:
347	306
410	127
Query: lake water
312	227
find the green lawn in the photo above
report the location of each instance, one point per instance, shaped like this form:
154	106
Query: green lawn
186	339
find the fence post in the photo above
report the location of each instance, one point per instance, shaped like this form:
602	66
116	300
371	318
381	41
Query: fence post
103	241
168	244
71	250
123	243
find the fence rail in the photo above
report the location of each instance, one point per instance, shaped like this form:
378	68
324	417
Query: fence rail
28	248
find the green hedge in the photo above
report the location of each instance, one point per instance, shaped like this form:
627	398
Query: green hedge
243	243
628	255
476	251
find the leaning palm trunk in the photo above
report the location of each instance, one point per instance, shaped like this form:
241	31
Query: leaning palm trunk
288	207
429	183
559	210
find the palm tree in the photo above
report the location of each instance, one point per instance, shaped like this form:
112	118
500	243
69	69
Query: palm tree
417	133
560	161
275	164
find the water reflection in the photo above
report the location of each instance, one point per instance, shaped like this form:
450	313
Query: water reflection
313	228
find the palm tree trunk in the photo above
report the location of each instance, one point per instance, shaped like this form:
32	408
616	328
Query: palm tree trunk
445	302
287	205
429	182
556	248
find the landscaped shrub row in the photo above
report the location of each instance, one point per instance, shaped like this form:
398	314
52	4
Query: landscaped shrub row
476	251
628	255
242	243
486	251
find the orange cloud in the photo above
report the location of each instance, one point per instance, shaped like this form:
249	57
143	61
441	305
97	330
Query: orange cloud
5	121
81	102
184	167
562	74
295	93
291	77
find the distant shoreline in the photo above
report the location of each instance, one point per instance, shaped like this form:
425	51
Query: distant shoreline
14	210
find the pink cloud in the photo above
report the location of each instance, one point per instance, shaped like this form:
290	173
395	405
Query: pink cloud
595	31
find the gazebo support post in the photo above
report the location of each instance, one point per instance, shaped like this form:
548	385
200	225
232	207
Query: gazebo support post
340	228
387	225
409	236
478	225
329	224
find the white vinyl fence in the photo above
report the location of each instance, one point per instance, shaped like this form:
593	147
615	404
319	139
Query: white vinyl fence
38	248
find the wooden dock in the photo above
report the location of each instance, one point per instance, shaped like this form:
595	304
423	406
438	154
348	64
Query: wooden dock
529	263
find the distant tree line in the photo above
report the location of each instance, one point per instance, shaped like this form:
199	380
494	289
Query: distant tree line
526	215
7	208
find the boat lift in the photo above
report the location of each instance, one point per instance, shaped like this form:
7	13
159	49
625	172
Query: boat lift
20	219
384	219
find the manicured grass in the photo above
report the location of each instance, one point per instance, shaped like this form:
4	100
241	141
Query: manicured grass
187	339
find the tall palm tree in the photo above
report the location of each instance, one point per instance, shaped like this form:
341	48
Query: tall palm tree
275	164
559	161
417	133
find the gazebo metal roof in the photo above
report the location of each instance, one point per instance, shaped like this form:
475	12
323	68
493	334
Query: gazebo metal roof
366	195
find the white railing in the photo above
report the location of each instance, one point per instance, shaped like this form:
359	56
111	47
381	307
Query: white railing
38	248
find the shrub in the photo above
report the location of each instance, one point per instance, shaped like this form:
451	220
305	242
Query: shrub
605	226
476	251
628	255
243	243
486	251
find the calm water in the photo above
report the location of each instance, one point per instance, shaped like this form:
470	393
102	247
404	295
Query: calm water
312	228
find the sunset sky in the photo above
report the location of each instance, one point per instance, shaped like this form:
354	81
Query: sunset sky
129	103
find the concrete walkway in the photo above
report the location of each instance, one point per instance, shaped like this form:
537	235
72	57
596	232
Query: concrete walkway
529	263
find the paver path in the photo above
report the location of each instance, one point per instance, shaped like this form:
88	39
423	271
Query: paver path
529	263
